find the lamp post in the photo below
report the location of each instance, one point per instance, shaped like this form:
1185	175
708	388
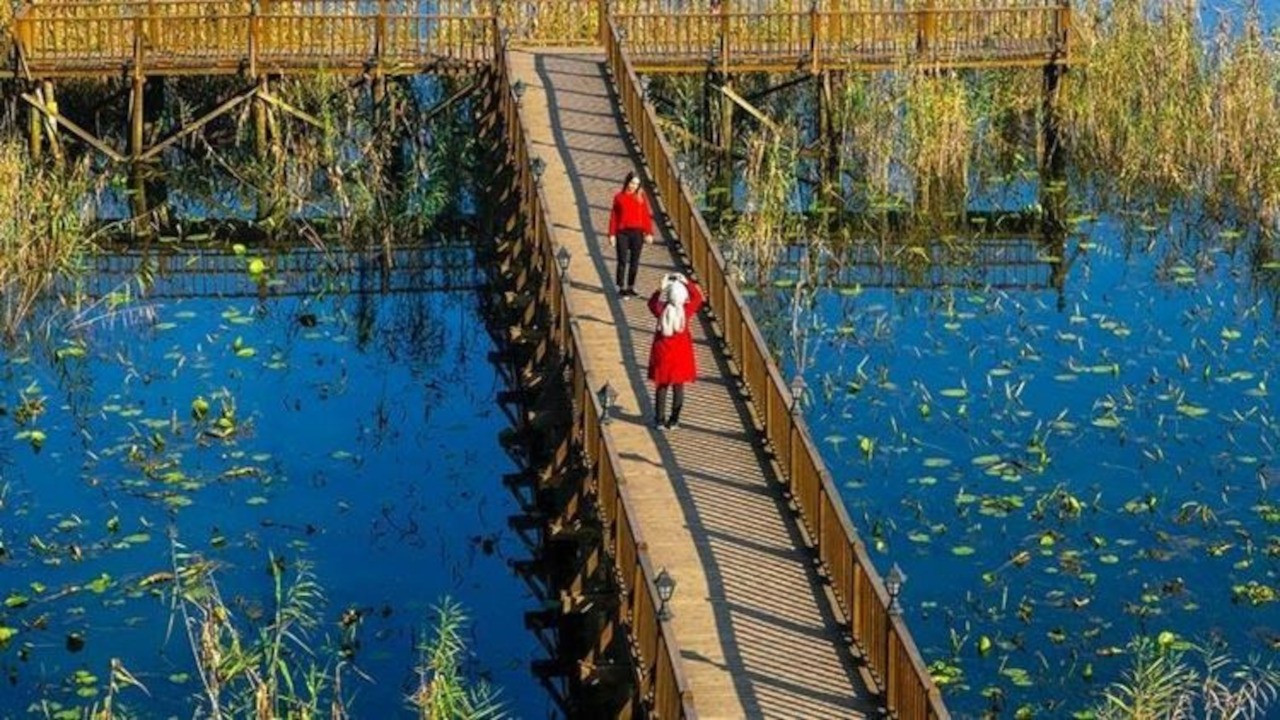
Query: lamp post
893	582
666	588
562	259
798	386
608	396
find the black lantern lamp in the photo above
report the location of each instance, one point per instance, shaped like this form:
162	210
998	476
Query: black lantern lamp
666	588
538	165
607	396
518	88
798	386
562	259
893	582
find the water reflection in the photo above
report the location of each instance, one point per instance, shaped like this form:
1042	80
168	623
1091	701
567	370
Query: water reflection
319	410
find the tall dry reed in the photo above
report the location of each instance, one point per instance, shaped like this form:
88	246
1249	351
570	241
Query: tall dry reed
44	230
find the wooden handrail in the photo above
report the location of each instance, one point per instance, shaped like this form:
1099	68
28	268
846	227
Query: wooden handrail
660	677
727	33
881	635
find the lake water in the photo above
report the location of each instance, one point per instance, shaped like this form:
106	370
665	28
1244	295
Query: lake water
363	441
1056	471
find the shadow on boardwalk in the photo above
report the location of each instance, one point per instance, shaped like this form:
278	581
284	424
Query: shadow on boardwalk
756	632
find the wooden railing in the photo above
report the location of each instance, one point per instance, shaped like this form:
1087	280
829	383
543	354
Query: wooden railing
238	35
660	678
738	34
286	35
882	636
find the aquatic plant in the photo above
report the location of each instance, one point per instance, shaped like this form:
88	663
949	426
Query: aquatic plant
44	229
271	675
1162	682
443	691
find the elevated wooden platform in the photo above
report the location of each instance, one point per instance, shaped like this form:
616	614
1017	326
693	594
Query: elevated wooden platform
96	38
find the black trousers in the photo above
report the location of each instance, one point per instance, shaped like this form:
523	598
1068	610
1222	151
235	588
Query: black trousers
630	243
660	402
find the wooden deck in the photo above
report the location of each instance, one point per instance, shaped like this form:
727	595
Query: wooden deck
756	634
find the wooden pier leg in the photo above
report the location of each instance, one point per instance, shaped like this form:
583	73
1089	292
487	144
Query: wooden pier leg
35	133
136	115
50	125
1051	157
378	94
1053	189
725	181
831	189
260	130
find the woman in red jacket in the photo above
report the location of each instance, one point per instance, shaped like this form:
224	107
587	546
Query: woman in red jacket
631	222
671	361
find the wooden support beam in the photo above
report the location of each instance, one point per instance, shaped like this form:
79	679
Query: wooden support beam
289	109
752	110
449	102
38	107
756	97
197	124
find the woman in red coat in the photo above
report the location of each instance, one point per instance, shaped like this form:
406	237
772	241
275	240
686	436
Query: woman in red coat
671	361
630	221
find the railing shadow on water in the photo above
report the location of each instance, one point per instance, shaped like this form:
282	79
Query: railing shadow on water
881	635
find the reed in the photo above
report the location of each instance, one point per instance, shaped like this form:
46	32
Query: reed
44	230
1168	678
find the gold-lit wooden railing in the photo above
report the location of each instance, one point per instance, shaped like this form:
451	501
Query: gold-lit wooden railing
234	36
683	35
660	680
282	36
882	636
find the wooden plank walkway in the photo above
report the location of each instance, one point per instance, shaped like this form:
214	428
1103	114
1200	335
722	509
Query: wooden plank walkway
756	634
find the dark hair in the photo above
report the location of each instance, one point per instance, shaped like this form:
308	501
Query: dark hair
627	180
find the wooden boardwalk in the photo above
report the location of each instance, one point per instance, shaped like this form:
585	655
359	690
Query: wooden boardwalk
756	634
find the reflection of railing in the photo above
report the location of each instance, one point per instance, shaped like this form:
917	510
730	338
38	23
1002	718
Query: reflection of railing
164	273
660	680
882	636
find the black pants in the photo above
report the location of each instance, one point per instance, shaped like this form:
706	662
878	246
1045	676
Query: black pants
630	242
660	402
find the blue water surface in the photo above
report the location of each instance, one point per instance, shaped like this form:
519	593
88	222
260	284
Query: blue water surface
364	444
1057	470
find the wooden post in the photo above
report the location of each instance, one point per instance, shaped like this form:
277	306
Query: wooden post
926	28
51	125
260	129
724	37
725	201
378	94
135	101
1053	191
822	95
35	133
1051	157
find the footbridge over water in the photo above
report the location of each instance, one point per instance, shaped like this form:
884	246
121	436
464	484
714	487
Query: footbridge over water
780	611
